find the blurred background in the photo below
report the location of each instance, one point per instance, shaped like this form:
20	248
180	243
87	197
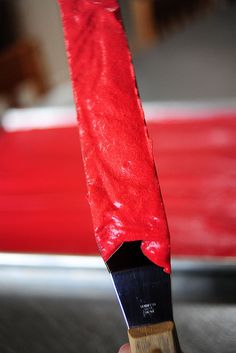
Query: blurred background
181	51
54	288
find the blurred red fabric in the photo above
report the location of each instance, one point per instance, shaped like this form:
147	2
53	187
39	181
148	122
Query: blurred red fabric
43	206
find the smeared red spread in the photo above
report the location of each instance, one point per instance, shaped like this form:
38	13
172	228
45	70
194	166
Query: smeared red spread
123	189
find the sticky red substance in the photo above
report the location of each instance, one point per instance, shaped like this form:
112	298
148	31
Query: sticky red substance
123	189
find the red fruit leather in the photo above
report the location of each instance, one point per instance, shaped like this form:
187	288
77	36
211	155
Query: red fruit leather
123	189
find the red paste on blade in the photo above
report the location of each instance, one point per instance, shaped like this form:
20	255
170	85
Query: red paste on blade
123	189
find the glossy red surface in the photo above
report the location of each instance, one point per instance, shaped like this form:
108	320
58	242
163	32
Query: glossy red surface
43	206
123	189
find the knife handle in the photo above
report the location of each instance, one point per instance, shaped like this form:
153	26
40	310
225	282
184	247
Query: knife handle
158	338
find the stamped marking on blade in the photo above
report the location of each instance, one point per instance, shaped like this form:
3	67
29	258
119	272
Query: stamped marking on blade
148	309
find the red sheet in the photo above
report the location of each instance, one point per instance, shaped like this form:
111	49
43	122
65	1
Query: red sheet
43	205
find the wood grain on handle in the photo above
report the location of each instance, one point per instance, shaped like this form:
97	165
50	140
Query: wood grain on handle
158	338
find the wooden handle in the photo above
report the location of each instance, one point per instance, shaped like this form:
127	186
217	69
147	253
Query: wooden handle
158	338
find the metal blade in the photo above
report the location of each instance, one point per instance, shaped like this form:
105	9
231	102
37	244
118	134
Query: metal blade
143	289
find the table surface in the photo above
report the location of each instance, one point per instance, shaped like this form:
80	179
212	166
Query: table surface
43	206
